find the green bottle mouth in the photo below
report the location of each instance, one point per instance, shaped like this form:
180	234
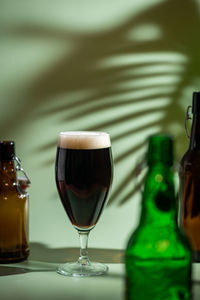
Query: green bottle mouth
160	149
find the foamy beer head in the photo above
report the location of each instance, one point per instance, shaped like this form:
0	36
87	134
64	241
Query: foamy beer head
84	140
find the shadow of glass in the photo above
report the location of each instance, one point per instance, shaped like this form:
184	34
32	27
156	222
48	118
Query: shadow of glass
40	252
20	269
45	259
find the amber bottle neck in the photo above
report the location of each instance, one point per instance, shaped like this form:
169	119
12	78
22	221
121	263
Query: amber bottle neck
7	170
195	133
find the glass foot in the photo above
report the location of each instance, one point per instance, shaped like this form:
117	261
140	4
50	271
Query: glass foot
78	270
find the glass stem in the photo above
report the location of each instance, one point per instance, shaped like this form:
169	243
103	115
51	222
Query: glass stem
83	258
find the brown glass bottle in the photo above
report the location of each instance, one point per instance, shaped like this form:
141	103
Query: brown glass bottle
14	244
189	174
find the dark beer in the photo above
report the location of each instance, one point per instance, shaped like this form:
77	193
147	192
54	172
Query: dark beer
83	178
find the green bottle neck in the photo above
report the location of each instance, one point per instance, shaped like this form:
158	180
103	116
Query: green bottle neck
158	203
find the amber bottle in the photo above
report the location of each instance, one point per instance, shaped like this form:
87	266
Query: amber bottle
190	183
14	244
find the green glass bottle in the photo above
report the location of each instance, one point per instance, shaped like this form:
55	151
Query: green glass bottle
158	256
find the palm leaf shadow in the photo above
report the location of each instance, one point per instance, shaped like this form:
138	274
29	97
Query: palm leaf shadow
82	70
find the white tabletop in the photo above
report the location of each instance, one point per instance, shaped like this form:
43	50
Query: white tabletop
33	279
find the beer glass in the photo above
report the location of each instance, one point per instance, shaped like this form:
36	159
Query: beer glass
83	178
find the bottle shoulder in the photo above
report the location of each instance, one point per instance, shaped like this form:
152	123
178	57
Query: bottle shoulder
9	184
191	155
13	191
190	162
154	241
